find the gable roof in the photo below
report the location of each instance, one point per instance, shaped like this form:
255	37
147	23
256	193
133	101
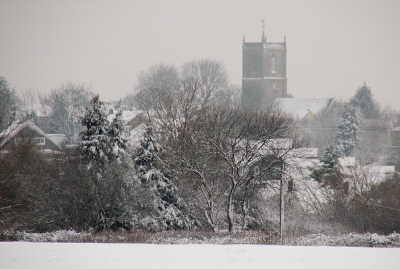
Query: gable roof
300	107
127	115
15	128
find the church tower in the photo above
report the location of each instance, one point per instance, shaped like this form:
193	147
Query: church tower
264	73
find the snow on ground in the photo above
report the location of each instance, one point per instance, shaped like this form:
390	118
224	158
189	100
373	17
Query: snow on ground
100	255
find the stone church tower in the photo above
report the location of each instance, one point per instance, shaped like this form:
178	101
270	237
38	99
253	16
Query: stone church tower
264	73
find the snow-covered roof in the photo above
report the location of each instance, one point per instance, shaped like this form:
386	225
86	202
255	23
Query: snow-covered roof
299	107
127	115
59	138
13	129
347	161
276	144
305	152
385	169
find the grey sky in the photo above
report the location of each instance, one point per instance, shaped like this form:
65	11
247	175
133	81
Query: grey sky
333	45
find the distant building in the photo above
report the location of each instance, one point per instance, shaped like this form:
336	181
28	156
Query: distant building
264	73
303	110
20	132
131	119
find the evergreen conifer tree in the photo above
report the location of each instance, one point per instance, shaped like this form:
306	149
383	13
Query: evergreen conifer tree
117	138
349	131
364	101
94	139
153	176
101	141
328	171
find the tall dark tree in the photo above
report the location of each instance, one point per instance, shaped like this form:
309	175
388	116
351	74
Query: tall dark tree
8	103
364	101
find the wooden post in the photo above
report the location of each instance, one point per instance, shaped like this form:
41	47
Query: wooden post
282	212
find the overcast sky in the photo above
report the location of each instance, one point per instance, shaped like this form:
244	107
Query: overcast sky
333	45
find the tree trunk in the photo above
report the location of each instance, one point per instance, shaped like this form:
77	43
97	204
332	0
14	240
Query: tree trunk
229	210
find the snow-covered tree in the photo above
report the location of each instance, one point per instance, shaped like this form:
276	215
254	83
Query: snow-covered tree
101	141
94	139
327	172
117	138
349	132
166	209
364	101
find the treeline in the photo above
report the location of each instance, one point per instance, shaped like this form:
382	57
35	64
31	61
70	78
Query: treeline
198	162
190	168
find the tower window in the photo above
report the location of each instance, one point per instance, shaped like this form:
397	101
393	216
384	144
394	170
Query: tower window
273	65
274	84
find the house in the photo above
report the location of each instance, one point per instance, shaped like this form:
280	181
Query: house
28	130
131	119
303	110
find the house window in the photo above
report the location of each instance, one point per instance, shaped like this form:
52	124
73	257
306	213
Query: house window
273	65
39	141
36	140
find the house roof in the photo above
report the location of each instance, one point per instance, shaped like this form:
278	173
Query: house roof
347	161
15	128
300	107
127	115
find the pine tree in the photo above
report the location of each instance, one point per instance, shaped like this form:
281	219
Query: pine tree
328	171
102	141
349	131
117	138
102	146
364	101
94	140
153	177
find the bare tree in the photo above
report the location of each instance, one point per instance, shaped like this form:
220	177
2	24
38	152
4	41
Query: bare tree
172	114
159	76
230	96
29	103
65	105
210	74
324	131
211	147
238	138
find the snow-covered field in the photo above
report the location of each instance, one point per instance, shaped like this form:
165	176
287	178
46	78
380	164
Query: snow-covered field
102	255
